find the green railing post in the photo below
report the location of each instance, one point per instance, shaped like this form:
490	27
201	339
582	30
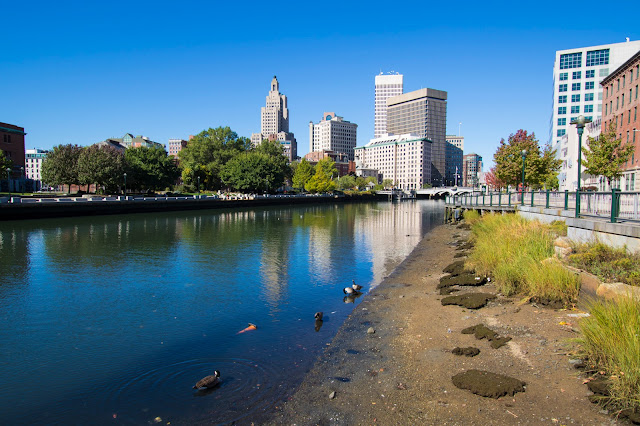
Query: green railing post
566	199
614	213
499	198
547	205
491	199
532	195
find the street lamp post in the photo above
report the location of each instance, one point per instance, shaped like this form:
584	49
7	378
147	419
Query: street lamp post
198	184
524	156
125	185
456	176
9	181
580	122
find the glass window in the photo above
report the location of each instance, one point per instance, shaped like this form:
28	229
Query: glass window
562	99
564	76
590	74
562	121
597	57
561	132
575	109
603	72
588	108
588	97
575	86
575	98
589	85
562	88
562	110
571	60
576	74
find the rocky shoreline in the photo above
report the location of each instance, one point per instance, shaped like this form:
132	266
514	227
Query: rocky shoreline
393	361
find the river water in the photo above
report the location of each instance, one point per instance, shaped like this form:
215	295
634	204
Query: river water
112	319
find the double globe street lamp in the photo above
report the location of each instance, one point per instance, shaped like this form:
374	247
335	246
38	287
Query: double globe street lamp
580	122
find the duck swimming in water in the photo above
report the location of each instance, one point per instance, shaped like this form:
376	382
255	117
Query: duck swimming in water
209	381
318	316
355	286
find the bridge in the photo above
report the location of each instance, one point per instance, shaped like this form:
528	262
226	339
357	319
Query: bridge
445	191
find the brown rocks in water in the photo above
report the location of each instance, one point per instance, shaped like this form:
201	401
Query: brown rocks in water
487	384
480	331
469	300
470	351
449	269
466	279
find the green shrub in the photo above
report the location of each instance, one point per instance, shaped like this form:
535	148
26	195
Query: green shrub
607	263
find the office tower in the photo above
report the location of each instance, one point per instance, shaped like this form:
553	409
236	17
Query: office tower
274	122
453	162
577	74
405	159
387	85
333	133
423	113
33	159
472	167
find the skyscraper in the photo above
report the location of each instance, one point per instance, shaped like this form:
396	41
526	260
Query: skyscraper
387	85
274	122
453	163
423	113
577	74
333	133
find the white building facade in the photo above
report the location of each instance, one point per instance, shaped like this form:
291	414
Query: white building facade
33	159
274	122
386	86
333	133
405	159
577	74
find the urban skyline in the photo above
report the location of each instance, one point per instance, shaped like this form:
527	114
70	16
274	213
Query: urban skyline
69	82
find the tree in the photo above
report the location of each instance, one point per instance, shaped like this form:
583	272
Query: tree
387	183
60	167
207	153
492	180
278	166
103	166
322	181
346	182
150	168
605	155
539	165
247	172
5	164
303	172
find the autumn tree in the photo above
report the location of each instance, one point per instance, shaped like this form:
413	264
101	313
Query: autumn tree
492	180
540	165
605	155
60	166
303	172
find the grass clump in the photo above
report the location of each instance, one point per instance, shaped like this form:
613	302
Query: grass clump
611	343
471	216
512	250
607	263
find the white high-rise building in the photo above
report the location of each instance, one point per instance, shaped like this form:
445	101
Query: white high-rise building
387	85
274	122
33	159
405	159
577	74
333	133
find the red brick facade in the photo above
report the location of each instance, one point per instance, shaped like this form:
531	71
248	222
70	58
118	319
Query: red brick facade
620	105
12	144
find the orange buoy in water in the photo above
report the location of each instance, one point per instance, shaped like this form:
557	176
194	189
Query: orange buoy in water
249	328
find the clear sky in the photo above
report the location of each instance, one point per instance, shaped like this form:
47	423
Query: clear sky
79	72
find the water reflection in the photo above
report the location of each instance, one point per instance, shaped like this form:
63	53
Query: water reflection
121	315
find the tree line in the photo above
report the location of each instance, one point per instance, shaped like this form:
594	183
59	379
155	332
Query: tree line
214	159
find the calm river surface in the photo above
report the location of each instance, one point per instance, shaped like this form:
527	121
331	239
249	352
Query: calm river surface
112	319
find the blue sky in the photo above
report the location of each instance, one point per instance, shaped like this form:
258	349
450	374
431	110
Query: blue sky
79	72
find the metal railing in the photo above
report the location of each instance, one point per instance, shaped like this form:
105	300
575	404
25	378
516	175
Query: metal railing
614	205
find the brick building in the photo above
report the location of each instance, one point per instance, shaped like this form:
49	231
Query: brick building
621	103
12	145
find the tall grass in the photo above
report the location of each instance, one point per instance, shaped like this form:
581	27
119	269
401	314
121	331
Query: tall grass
512	249
471	216
611	342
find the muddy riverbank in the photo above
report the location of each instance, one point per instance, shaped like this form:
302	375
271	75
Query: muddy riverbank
393	360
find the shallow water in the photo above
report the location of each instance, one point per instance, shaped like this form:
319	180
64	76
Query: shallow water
112	319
